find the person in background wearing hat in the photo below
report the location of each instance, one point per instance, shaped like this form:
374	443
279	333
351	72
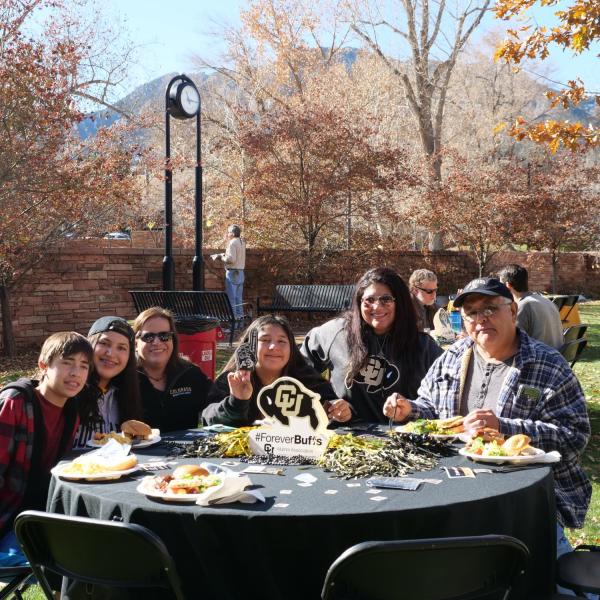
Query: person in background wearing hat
174	391
234	259
111	400
423	287
499	377
536	315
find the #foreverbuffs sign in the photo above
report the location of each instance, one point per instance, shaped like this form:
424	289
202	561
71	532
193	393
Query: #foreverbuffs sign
297	423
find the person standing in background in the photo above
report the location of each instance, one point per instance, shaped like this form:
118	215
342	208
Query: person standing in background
234	259
423	287
537	316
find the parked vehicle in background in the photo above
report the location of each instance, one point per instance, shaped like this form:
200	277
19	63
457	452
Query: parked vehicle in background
117	235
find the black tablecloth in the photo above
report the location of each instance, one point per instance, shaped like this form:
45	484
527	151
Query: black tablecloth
281	549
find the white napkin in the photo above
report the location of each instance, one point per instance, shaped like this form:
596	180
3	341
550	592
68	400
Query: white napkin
548	458
233	490
112	452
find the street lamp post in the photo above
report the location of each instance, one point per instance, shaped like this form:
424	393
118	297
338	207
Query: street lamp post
182	101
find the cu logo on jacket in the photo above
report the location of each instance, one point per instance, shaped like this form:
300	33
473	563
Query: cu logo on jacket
378	374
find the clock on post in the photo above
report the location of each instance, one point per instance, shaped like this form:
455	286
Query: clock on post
182	101
184	98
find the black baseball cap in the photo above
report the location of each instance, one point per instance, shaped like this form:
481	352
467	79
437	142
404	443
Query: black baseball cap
488	286
116	324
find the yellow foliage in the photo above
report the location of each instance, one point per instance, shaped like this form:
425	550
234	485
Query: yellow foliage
579	27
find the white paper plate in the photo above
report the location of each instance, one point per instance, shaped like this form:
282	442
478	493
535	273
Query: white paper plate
147	488
515	460
153	439
102	476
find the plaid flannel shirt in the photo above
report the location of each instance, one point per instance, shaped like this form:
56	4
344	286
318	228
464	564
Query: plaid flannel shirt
540	397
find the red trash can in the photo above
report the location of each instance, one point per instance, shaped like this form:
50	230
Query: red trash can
198	342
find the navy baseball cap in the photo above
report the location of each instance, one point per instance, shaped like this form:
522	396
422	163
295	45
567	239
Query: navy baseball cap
116	324
488	286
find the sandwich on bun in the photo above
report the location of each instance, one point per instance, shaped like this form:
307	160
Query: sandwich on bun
191	479
455	424
89	464
488	434
516	444
136	430
189	471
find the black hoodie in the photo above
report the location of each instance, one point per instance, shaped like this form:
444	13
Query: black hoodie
326	348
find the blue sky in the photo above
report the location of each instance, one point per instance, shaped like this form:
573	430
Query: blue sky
170	31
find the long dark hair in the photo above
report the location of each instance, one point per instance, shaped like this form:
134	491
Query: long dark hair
404	336
296	361
175	363
128	390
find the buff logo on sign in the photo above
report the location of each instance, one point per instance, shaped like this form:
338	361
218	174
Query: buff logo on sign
295	421
378	375
287	397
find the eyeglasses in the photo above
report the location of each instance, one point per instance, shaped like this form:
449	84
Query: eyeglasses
163	336
484	313
426	290
383	300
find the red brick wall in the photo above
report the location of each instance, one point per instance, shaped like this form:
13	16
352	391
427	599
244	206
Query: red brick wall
86	279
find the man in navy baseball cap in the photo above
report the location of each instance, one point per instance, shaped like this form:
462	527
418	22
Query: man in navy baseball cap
500	378
488	286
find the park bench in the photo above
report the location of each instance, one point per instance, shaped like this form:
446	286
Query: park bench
331	298
192	305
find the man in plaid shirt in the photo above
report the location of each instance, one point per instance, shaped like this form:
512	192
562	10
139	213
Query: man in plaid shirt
499	377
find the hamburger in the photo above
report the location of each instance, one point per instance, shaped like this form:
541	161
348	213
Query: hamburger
451	425
191	479
516	444
488	434
136	431
189	471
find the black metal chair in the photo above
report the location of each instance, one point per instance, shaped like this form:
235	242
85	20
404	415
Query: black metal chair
580	570
15	579
574	332
103	553
457	568
572	350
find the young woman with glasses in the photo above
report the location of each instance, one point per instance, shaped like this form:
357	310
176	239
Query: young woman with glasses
111	399
423	287
174	391
232	400
375	348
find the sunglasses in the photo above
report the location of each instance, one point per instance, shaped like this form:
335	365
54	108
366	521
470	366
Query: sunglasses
383	300
163	336
426	290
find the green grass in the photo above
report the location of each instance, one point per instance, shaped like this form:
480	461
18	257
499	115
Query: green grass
587	370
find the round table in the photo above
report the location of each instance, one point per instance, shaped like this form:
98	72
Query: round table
282	548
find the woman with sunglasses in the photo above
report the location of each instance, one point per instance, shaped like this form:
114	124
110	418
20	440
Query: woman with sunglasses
232	400
375	348
111	399
423	288
174	390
